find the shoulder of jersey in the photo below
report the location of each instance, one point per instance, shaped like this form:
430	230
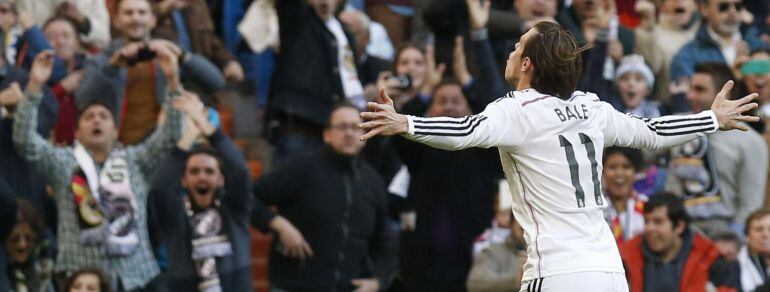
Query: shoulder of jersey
584	96
525	96
530	96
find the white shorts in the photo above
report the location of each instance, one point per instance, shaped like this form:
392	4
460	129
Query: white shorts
578	282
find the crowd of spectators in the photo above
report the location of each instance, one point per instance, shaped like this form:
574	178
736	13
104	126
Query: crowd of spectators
119	170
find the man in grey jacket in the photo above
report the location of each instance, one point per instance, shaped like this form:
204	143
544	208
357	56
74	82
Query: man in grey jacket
132	84
722	176
100	186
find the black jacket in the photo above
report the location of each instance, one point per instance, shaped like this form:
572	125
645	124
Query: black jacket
464	183
452	193
306	82
170	223
338	204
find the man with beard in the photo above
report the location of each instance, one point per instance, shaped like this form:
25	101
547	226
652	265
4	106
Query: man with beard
720	39
100	186
201	204
135	85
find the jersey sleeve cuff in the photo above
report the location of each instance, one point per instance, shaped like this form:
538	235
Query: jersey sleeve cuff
714	120
410	125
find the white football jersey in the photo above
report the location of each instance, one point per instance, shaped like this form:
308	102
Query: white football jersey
551	151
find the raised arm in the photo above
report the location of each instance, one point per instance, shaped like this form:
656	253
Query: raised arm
238	195
667	131
194	68
151	150
36	43
488	84
29	144
490	128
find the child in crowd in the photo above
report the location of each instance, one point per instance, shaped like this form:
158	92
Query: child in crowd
634	81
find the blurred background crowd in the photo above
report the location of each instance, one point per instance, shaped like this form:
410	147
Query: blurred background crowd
212	145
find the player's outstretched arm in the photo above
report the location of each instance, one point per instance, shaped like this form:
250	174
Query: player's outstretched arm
667	131
486	129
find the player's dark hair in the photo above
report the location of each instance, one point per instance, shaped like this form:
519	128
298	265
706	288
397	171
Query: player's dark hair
674	207
633	155
556	59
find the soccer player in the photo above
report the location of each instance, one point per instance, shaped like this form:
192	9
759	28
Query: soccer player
550	139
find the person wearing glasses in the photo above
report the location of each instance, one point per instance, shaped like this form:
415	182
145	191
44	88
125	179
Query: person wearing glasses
27	245
721	39
337	202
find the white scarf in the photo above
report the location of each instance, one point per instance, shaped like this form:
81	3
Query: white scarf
111	189
751	277
209	241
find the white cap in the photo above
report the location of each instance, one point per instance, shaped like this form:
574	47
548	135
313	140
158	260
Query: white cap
635	63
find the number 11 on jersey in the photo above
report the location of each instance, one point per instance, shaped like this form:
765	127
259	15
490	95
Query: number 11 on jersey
575	173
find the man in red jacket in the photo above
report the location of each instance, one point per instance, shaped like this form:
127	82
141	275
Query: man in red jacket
668	256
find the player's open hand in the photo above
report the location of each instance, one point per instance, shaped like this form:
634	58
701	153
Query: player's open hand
730	112
383	119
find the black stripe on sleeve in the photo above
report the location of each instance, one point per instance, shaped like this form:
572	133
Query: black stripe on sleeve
684	132
709	123
455	133
677	120
446	127
441	120
684	125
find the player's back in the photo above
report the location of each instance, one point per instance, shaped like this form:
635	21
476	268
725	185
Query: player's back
555	176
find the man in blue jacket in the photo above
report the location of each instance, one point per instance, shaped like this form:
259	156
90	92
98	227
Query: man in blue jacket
720	39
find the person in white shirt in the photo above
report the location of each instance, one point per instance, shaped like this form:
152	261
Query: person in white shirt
550	139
